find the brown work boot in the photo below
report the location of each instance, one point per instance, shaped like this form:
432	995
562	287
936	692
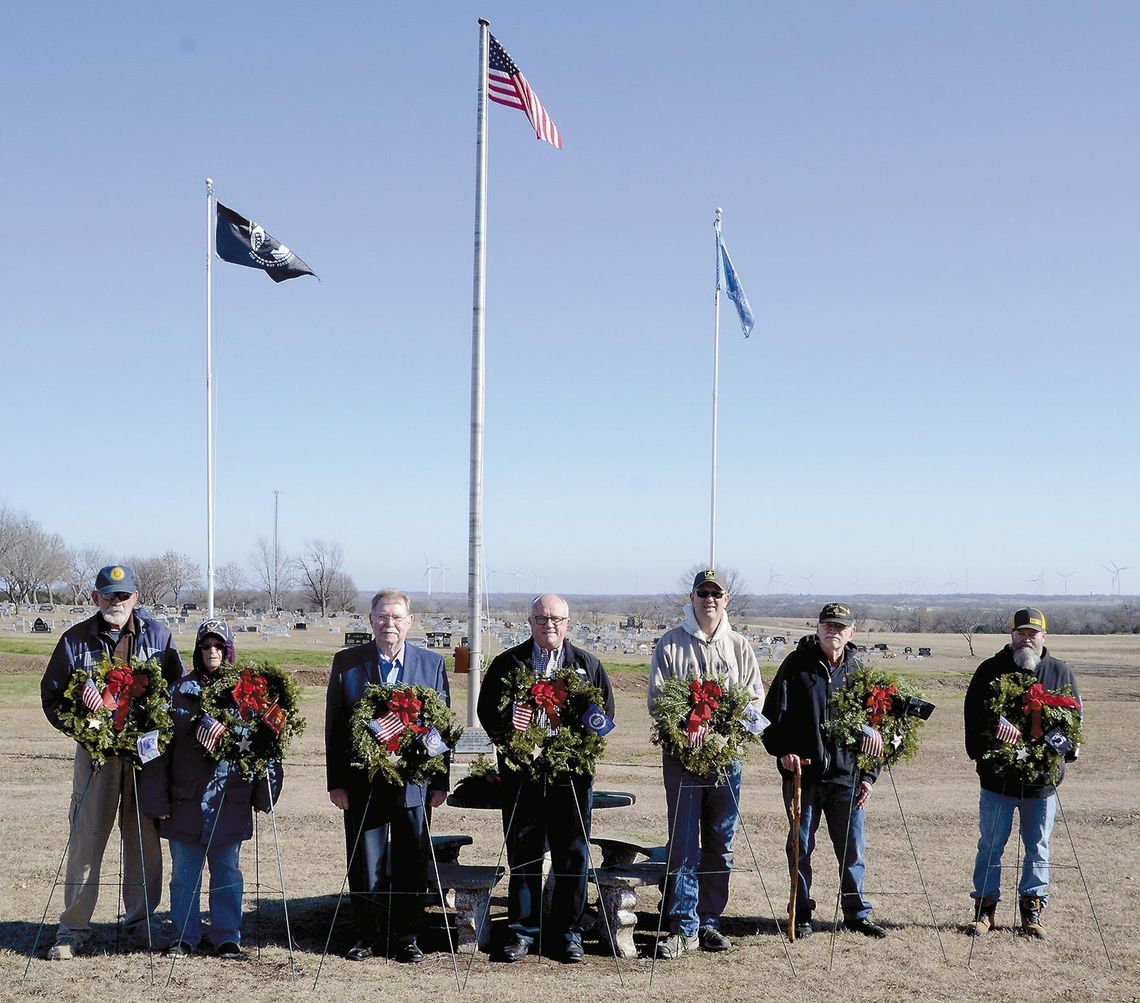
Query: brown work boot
983	917
1032	909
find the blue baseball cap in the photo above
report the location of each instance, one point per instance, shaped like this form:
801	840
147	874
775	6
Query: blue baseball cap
116	578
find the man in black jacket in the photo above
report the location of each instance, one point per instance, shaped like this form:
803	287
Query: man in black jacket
1001	791
832	784
535	815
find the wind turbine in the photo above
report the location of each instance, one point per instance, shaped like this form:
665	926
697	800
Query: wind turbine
951	585
428	569
1066	575
516	573
772	577
1039	581
810	579
1115	572
443	578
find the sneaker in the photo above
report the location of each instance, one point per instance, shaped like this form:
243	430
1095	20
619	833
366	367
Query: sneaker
179	949
229	951
711	939
671	947
62	950
803	928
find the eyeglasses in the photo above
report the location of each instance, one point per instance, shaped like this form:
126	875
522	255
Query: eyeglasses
709	594
554	621
386	618
115	596
211	646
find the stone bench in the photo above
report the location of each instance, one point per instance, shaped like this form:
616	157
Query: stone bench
472	884
447	847
618	879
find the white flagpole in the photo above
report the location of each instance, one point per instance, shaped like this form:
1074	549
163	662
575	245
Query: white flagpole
715	393
479	301
209	400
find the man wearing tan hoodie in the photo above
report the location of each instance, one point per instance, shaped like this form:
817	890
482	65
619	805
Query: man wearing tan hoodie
703	811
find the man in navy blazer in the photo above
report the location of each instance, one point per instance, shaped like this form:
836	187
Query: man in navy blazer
379	817
537	815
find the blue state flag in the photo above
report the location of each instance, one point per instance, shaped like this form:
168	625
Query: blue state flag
727	280
597	720
434	743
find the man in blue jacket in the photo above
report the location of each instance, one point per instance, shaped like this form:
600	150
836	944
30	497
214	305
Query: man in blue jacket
379	818
120	631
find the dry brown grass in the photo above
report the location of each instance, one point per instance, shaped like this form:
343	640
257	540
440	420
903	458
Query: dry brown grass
937	791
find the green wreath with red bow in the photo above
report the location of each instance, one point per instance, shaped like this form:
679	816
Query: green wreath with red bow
392	733
258	703
1037	713
108	707
877	699
701	723
548	737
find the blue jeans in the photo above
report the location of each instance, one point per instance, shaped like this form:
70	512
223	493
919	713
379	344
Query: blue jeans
845	827
225	892
702	822
995	820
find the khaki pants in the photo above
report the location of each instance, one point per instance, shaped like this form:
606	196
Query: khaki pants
109	791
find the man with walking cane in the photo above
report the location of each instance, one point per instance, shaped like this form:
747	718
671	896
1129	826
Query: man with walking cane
825	774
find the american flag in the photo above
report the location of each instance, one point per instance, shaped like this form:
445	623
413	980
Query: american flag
386	727
521	716
507	85
210	732
91	697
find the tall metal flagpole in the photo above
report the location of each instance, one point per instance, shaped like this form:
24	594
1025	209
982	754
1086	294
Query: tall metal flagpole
479	300
715	393
209	400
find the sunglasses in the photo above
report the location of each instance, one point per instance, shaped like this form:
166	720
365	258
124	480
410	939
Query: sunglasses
709	594
211	646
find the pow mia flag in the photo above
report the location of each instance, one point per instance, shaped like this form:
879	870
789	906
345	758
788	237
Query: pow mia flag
243	242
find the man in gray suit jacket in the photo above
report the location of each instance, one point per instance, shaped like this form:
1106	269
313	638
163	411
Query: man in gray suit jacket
380	818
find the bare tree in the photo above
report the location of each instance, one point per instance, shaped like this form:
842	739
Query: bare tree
272	573
83	564
179	574
32	559
151	573
342	594
320	573
733	581
231	581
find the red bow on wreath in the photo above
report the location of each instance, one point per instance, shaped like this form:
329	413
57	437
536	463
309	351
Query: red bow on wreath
1037	697
704	698
406	706
250	695
122	687
880	702
550	696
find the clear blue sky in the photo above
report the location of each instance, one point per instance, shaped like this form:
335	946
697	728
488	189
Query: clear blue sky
933	209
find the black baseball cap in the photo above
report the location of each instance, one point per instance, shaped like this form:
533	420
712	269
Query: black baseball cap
1027	616
836	612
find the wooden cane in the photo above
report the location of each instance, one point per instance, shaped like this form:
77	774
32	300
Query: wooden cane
797	813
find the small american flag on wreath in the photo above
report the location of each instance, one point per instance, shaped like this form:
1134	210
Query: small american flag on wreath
521	716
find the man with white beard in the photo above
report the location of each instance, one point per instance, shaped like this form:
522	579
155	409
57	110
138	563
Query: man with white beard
1002	792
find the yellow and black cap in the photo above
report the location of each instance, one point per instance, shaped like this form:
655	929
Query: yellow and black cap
1027	616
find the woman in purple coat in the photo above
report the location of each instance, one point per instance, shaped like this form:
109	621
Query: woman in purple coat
205	809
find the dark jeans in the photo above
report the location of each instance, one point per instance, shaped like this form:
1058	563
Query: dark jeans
535	817
845	827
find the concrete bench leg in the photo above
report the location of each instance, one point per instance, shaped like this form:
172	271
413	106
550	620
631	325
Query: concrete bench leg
472	920
617	906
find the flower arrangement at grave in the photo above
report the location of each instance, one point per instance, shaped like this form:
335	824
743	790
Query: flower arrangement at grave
708	724
558	724
118	709
1049	722
254	707
874	699
403	733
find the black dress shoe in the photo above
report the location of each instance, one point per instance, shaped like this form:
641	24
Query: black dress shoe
865	927
409	953
515	949
229	951
572	952
360	951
